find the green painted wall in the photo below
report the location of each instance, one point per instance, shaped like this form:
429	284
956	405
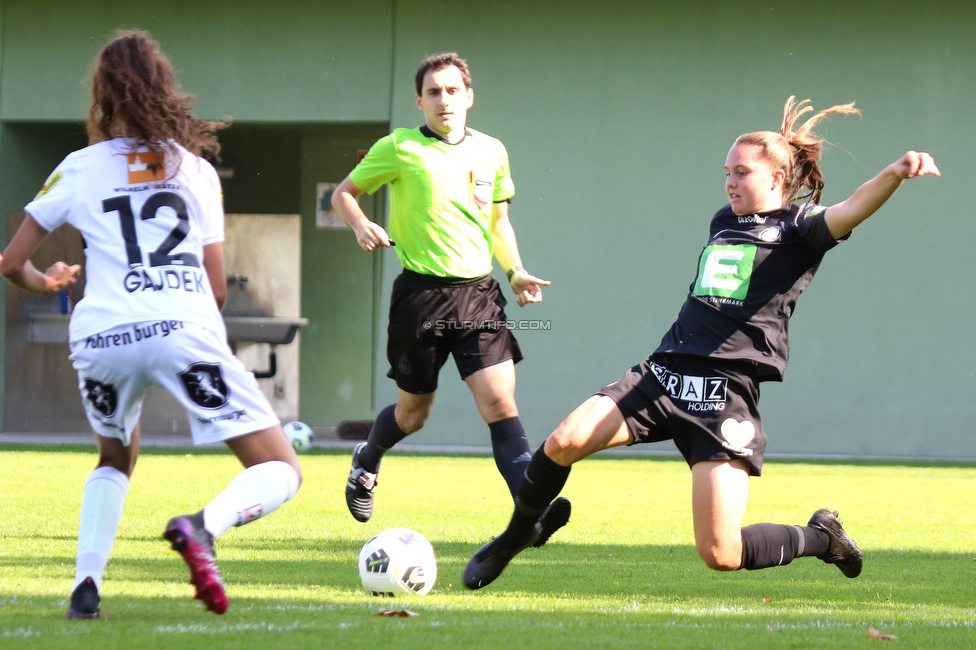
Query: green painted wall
617	116
287	61
339	286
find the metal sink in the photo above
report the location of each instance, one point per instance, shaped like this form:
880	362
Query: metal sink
276	330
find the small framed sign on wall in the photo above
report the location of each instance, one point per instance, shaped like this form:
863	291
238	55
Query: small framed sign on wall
325	216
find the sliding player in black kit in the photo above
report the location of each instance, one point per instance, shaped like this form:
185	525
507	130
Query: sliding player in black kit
700	387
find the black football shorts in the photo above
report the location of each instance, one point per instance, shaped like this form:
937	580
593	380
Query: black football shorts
431	317
709	407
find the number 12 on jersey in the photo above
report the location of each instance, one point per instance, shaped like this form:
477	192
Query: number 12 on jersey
162	256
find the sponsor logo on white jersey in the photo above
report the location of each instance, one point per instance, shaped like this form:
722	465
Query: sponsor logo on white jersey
146	167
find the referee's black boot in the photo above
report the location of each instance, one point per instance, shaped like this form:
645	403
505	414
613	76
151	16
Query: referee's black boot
359	488
842	551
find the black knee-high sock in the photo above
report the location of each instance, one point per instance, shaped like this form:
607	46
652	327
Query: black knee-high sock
511	450
543	481
768	545
382	437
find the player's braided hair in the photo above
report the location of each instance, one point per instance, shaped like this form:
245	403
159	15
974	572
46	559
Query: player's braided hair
134	94
796	152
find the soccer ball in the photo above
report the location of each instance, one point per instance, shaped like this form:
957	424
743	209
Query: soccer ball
299	435
398	562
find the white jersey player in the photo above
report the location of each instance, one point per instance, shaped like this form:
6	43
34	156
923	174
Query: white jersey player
150	211
145	221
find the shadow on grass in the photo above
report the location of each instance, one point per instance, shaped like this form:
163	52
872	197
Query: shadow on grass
562	596
582	572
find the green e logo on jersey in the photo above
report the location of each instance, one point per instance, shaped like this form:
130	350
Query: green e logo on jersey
725	271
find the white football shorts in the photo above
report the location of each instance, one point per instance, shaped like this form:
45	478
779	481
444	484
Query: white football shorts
195	364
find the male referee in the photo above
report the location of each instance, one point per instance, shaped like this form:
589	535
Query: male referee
450	188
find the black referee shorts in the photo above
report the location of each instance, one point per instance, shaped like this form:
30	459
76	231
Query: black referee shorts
709	407
431	317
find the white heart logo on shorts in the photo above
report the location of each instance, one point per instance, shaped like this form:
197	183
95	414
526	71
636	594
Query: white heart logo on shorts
739	434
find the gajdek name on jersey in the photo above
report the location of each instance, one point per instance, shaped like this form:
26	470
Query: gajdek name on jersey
165	280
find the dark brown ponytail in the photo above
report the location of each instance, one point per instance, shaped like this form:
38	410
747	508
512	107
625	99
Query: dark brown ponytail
134	94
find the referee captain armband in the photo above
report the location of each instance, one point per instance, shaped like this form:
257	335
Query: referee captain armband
512	272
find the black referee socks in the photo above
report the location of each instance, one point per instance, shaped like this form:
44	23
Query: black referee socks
768	545
511	450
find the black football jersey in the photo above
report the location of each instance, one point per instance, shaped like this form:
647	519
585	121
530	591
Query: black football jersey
750	274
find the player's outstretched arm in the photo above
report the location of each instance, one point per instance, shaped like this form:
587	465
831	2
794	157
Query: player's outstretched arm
17	267
527	288
846	215
368	234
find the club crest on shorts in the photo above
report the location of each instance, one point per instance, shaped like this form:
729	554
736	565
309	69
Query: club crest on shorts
403	365
103	397
205	385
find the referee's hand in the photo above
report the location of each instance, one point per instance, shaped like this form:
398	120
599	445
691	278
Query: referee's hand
527	288
373	236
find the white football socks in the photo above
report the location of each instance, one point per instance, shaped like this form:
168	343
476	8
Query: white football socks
253	493
101	511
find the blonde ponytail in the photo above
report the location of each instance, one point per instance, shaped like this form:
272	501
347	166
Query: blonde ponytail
797	152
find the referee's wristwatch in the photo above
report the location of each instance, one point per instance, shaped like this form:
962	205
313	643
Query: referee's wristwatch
512	272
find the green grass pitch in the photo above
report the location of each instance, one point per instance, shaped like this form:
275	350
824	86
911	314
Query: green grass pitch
622	574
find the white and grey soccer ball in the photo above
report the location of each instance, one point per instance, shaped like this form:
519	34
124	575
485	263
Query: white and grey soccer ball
398	562
299	435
